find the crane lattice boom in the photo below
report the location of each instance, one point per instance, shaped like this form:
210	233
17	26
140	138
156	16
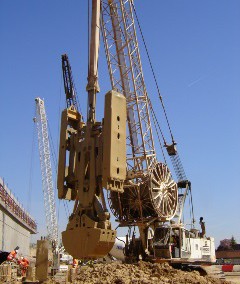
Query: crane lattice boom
151	191
125	69
46	170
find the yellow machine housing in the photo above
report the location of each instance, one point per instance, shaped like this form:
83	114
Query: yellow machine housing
114	141
71	125
88	242
92	156
97	159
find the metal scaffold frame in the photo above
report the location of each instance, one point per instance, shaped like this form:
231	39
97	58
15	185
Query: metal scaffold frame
45	162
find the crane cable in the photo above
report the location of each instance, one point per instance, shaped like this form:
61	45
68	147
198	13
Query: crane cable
31	170
161	100
88	42
153	72
157	127
154	115
191	200
58	143
54	158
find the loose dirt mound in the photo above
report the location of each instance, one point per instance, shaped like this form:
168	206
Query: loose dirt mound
141	273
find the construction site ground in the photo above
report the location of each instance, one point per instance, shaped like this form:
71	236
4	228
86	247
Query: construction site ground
140	273
118	273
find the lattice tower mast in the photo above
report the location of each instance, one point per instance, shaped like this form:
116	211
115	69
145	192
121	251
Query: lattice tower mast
46	170
126	75
70	91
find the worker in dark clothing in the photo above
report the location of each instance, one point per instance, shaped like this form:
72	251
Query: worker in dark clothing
5	255
202	224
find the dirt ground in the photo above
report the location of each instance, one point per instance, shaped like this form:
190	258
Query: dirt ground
141	273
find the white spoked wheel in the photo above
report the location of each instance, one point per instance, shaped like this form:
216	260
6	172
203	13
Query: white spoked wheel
164	192
156	196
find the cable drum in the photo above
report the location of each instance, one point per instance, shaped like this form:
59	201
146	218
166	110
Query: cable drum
155	196
164	192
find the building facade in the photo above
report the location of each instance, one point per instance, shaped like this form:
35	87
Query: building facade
16	224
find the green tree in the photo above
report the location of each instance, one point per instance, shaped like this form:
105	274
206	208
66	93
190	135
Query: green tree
233	242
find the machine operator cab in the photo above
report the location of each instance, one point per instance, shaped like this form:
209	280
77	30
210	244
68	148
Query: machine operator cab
171	242
174	242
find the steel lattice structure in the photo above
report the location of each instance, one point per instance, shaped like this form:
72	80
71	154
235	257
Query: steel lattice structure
125	69
151	192
71	95
46	169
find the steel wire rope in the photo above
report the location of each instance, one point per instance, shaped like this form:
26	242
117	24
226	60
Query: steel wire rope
190	211
88	41
153	72
159	94
121	240
193	217
53	151
66	208
155	79
58	211
77	100
31	169
129	232
154	114
54	157
65	205
58	140
156	124
88	49
59	108
117	237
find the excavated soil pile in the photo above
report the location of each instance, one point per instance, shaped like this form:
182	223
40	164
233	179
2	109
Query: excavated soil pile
141	273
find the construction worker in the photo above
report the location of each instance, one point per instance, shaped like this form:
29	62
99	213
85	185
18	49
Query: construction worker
13	254
202	224
175	245
75	263
23	263
3	256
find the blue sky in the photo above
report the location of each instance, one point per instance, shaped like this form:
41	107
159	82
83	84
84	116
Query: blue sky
195	50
